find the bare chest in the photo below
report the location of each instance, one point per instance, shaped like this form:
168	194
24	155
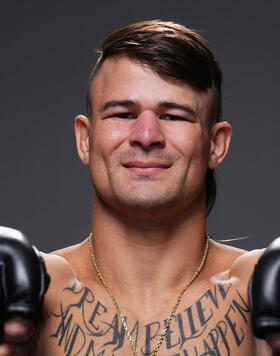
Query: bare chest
213	322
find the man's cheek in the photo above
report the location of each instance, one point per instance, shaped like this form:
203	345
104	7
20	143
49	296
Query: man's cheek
186	146
120	131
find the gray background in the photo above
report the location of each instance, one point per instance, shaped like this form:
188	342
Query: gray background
47	52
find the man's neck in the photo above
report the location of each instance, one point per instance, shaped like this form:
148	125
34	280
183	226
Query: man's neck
145	260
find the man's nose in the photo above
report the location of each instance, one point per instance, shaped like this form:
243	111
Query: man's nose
147	132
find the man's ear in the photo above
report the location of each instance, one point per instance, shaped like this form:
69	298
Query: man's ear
219	144
82	131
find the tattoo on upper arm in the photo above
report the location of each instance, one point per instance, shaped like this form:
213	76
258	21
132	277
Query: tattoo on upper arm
191	324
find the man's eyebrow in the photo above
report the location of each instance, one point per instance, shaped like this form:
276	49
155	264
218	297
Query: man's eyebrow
114	103
162	105
171	105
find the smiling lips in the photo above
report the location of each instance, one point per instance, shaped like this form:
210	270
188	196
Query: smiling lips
146	168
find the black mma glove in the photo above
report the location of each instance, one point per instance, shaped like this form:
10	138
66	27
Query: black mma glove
264	292
23	278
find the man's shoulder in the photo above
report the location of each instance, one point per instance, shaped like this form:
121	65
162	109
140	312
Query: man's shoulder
68	264
60	271
229	262
63	266
245	263
237	262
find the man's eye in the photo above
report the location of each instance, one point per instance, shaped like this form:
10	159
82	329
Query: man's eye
124	115
172	117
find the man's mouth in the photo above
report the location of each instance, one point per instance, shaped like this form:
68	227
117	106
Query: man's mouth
146	168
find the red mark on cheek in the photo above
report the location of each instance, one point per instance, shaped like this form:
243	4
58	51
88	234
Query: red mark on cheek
122	129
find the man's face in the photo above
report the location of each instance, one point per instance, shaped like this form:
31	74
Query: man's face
149	138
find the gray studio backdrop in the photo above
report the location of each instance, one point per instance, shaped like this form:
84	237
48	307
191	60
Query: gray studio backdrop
47	52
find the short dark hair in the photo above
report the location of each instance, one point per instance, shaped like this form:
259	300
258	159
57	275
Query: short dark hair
174	52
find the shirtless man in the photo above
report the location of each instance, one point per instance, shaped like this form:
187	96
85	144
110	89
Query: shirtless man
152	138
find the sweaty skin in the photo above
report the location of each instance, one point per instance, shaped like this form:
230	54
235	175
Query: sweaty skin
148	145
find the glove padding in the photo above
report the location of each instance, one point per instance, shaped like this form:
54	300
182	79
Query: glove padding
264	292
23	278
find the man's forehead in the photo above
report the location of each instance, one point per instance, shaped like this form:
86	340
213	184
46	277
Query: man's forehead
123	78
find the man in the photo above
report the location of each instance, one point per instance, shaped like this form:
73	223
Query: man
152	138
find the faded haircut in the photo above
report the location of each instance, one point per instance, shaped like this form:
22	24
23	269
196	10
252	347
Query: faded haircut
174	52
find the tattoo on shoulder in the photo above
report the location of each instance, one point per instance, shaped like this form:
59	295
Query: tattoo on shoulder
197	322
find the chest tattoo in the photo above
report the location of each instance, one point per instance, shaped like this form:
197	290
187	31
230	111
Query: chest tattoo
202	329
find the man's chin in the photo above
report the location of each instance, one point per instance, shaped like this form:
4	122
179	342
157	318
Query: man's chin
145	203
